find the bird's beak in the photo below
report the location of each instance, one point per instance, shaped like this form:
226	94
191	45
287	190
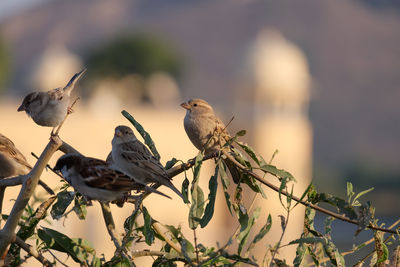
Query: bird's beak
118	133
21	108
186	106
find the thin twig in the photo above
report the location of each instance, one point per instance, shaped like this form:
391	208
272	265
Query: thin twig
61	124
157	227
195	245
110	225
48	166
57	259
13	181
143	253
34	253
280	239
305	203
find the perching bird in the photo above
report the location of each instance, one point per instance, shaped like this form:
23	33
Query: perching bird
206	131
50	108
13	163
94	179
133	158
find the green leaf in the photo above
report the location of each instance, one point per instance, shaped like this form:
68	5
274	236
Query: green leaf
350	192
362	193
197	167
170	163
58	241
241	133
80	207
309	187
209	211
244	235
240	209
249	152
278	173
300	255
64	199
96	262
185	190
147	229
146	136
197	207
225	184
263	231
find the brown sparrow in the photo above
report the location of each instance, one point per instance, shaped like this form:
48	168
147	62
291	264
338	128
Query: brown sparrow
13	163
94	179
206	131
133	158
50	108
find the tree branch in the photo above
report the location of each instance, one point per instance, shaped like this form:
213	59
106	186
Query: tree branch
305	203
7	234
13	181
157	227
34	253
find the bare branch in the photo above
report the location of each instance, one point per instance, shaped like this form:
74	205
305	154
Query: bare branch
7	234
305	203
13	181
174	171
110	225
157	226
34	253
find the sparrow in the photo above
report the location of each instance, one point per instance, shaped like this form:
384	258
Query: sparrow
50	108
133	158
206	131
94	178
13	163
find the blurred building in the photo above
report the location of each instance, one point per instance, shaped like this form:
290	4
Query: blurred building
275	94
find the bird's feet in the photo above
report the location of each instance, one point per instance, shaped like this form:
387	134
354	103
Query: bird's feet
70	110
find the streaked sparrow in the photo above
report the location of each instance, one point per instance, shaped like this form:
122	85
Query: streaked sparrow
206	131
94	179
133	158
50	108
13	163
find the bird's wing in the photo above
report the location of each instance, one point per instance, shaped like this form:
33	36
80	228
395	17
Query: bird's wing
8	147
56	94
137	153
96	173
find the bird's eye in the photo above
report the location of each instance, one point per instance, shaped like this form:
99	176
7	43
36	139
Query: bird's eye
195	105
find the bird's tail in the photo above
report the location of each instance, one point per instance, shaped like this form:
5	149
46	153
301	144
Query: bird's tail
151	189
71	84
171	185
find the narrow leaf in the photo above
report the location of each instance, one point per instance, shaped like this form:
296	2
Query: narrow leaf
64	199
147	229
146	136
171	163
209	211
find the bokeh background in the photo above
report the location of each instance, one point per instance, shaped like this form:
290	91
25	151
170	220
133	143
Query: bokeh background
330	70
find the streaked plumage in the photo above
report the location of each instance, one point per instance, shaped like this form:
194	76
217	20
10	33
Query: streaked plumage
94	179
206	131
133	158
13	163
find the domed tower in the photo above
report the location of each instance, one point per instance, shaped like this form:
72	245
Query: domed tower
54	67
272	103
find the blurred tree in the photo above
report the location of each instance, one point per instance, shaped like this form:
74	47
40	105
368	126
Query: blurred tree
4	65
137	54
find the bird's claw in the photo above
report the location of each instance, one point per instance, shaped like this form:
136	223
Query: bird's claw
70	110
